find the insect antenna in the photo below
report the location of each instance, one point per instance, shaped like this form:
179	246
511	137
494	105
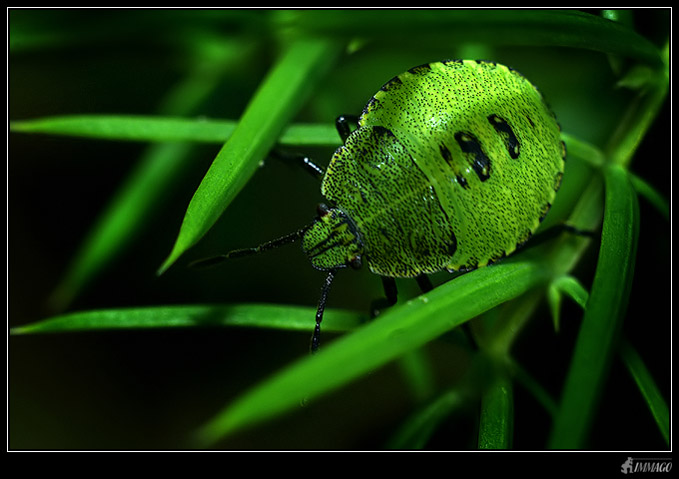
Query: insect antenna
238	253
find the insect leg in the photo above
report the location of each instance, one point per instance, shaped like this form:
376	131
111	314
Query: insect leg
424	283
316	337
390	290
313	168
304	161
345	125
390	293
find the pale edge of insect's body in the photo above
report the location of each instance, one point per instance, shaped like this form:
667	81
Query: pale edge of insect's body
453	166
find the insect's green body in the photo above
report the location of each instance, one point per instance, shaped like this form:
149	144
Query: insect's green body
453	165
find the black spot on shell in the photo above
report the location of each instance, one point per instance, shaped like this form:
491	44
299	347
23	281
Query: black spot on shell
471	145
445	153
504	129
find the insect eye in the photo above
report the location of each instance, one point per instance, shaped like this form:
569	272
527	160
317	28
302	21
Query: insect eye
322	209
355	262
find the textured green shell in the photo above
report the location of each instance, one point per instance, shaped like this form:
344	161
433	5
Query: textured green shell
453	166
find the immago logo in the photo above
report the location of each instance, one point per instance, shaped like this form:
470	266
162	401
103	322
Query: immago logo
632	465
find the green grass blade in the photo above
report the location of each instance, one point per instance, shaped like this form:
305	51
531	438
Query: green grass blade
648	388
281	94
165	129
572	288
603	317
653	196
301	134
217	315
568	28
401	329
583	150
569	286
635	365
639	117
496	425
130	128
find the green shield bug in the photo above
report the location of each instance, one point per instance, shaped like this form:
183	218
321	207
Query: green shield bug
452	166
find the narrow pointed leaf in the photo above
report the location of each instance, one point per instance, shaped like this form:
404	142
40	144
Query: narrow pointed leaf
648	388
567	28
572	288
208	315
281	94
603	317
399	330
653	196
165	129
130	128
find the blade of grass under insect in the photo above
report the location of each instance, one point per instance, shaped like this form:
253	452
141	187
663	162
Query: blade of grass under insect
648	388
209	315
496	425
567	28
165	129
401	329
282	93
603	317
